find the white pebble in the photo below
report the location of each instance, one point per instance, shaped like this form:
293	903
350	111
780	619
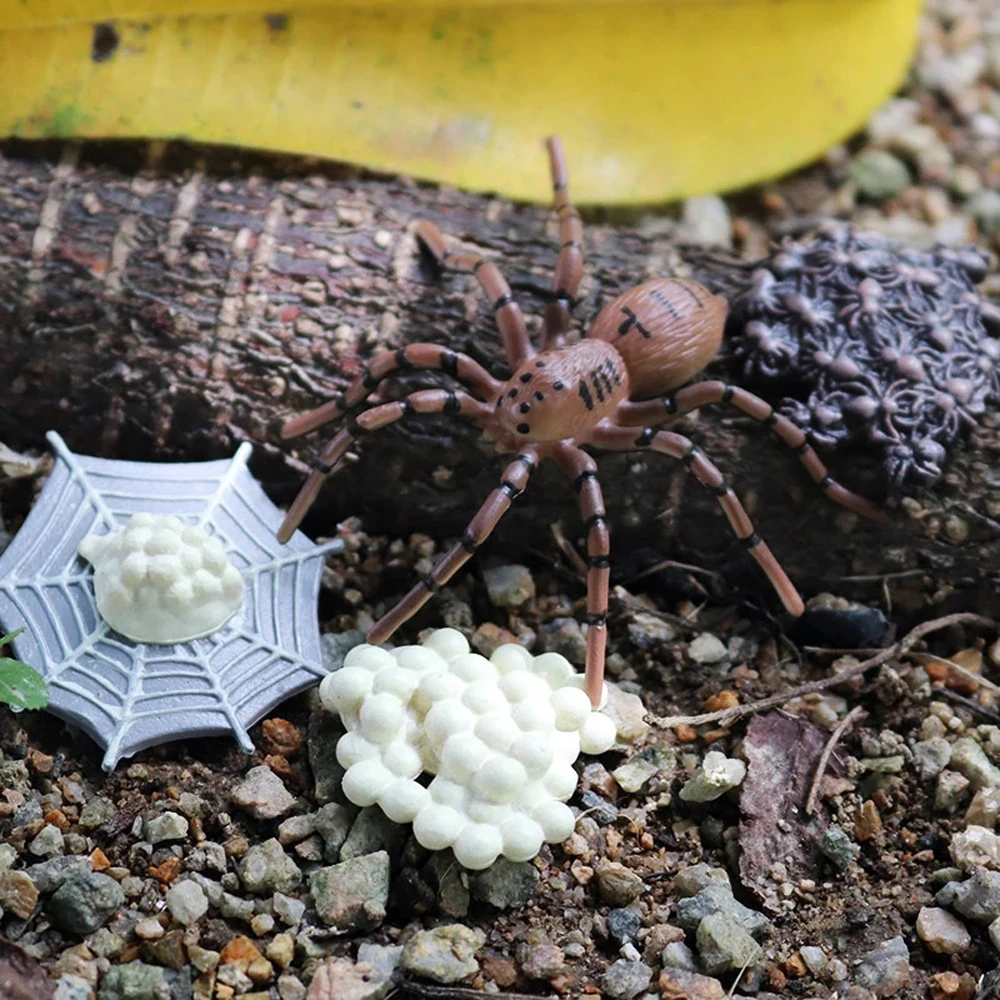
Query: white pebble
436	827
364	782
478	846
402	800
598	734
572	708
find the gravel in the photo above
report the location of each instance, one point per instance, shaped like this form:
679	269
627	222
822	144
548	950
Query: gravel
85	901
187	902
263	794
445	954
353	894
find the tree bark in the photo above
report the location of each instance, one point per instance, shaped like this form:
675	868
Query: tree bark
168	304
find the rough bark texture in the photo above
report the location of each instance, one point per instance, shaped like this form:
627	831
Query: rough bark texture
168	306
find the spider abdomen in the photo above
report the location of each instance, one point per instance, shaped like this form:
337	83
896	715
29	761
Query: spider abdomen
562	393
667	330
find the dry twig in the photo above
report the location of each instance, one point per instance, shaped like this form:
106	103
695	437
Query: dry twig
824	758
729	715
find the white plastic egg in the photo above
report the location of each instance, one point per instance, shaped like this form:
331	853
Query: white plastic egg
533	751
522	838
448	643
517	686
381	717
364	782
436	826
352	748
534	717
556	820
482	697
499	779
447	792
445	719
511	656
462	755
402	759
561	780
397	681
492	813
343	690
419	659
572	708
402	800
478	846
497	731
598	733
368	657
471	667
554	668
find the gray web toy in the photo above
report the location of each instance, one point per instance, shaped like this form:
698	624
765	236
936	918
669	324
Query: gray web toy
129	695
895	346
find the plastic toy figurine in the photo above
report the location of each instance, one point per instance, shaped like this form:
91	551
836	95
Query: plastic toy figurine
610	390
897	347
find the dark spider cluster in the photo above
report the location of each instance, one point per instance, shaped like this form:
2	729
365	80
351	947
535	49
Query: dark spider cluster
896	347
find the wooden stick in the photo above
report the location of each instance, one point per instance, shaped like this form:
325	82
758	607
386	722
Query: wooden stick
728	715
845	724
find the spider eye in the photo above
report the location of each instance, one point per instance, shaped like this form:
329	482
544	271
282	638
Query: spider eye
523	428
524	407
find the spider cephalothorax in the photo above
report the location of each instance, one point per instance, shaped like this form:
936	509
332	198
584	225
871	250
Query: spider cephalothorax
897	348
610	390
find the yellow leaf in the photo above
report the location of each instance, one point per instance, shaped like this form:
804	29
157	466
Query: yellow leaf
654	99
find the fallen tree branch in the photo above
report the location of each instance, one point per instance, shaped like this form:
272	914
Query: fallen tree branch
845	724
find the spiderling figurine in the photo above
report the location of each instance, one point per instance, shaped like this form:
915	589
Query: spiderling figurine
896	346
610	390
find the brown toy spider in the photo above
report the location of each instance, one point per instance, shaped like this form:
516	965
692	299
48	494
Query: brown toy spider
608	390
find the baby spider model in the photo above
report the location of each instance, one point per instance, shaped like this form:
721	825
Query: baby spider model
610	390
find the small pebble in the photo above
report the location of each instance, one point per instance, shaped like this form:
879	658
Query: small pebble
624	979
187	902
445	954
941	932
263	794
707	648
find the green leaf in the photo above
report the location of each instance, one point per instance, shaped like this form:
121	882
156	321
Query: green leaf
20	686
10	636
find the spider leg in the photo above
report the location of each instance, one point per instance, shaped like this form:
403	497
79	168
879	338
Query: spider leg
569	264
515	478
611	436
657	411
413	356
516	342
582	469
425	401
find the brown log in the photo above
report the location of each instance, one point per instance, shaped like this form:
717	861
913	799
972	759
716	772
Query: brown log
166	304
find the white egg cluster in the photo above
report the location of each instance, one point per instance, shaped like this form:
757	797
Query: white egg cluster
500	735
158	580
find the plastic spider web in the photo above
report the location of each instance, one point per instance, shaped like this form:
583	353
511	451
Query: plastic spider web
128	695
